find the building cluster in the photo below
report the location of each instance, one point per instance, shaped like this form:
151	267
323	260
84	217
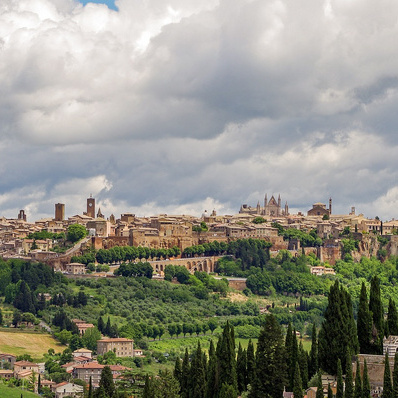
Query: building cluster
83	366
166	231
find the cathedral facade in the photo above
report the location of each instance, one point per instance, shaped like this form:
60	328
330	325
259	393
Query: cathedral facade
271	208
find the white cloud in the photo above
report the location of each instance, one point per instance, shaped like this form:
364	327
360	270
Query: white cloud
160	106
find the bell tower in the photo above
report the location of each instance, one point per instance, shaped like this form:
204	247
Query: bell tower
91	207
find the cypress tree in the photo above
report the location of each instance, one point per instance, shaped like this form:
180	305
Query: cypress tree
241	369
108	327
178	370
271	367
226	361
303	363
250	362
227	391
106	382
338	332
392	318
340	384
297	385
313	361
358	382
293	360
148	388
330	391
364	323
100	324
376	307
197	375
349	383
185	375
319	389
395	377
90	388
366	381
289	343
212	375
387	386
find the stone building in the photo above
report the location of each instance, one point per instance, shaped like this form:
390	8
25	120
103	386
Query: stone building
121	346
271	208
319	209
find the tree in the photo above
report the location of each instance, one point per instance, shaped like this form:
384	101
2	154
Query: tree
366	381
197	375
212	375
90	338
241	369
364	323
226	362
76	232
106	382
313	362
358	382
270	375
250	362
178	370
303	364
395	377
338	334
297	385
376	307
166	386
148	388
319	389
340	383
330	391
392	318
186	370
349	383
387	385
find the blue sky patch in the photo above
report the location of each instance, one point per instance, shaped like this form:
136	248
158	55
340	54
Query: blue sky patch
109	3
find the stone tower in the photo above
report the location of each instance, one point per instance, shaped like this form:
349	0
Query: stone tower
91	207
59	212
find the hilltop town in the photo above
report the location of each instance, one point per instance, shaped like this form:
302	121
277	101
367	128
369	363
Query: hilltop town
166	231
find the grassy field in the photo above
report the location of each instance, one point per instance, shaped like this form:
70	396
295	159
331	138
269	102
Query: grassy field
28	343
13	392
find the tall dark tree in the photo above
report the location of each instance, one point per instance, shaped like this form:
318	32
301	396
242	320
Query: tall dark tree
330	391
178	370
270	371
293	360
392	318
108	327
338	333
358	382
106	382
349	382
297	385
319	387
313	361
395	377
303	364
376	307
226	361
212	373
250	362
340	383
364	323
241	369
148	388
387	385
197	375
90	389
186	370
101	326
365	381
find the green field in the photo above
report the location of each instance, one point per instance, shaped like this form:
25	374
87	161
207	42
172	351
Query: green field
14	392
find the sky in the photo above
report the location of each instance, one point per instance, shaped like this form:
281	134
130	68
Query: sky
181	106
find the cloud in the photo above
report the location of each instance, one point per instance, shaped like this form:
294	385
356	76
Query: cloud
185	106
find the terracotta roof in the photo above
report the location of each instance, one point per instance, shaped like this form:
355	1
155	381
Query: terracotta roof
82	349
25	363
63	383
90	365
116	340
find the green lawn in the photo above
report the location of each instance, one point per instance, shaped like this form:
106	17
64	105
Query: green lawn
14	392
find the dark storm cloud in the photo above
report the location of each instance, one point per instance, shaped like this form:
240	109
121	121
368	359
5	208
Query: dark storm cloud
182	106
